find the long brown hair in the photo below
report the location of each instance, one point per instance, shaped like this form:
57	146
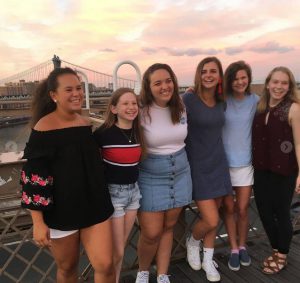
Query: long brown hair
111	118
291	94
146	98
42	104
198	81
230	75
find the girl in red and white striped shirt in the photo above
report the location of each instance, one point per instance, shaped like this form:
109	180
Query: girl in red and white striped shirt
121	143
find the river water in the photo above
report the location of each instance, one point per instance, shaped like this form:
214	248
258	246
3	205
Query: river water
14	138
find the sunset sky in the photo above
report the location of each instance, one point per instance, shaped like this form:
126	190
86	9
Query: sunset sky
99	33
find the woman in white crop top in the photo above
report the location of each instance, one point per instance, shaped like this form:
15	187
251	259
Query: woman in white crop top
164	176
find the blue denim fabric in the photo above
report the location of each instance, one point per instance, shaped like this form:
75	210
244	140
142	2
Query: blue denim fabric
124	197
165	181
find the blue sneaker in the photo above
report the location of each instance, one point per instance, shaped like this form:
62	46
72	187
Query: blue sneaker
234	262
245	259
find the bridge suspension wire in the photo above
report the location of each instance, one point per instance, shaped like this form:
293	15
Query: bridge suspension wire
34	74
22	85
101	80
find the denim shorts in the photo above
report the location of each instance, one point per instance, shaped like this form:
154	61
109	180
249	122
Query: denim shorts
165	181
124	197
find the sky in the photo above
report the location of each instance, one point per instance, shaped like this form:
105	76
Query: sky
98	34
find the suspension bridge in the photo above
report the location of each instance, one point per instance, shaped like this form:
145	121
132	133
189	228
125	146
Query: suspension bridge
98	81
16	90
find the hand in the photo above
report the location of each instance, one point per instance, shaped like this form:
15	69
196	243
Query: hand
297	189
41	235
189	89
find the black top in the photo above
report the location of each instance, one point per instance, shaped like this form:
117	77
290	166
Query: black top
273	143
121	154
63	177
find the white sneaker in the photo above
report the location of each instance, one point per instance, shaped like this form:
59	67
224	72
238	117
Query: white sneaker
142	277
163	278
193	255
212	274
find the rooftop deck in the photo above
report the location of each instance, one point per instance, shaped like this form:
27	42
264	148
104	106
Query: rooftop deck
181	272
22	261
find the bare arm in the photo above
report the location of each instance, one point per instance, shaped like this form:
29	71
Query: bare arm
86	120
189	89
41	233
294	119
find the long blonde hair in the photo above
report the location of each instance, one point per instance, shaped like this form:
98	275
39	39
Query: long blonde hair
291	94
111	118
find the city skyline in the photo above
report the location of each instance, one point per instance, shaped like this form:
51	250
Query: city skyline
98	34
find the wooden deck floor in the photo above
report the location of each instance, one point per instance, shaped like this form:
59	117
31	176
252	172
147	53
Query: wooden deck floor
181	272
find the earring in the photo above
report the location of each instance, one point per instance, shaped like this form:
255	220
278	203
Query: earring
54	100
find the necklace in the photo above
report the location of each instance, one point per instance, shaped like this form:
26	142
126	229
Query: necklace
125	135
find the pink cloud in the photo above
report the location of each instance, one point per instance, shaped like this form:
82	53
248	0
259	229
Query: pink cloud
92	34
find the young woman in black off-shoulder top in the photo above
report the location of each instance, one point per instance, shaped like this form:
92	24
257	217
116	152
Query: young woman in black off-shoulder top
62	180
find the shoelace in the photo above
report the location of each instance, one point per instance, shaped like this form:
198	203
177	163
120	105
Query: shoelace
214	264
143	275
192	248
164	278
194	252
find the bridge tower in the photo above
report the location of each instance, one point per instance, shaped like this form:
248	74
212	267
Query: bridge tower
56	62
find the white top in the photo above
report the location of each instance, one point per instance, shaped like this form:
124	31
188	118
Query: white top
162	136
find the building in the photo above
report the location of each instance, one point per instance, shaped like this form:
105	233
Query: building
17	90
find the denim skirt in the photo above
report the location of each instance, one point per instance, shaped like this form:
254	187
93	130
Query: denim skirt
165	181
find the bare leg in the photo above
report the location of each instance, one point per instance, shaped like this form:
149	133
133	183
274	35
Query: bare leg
151	224
66	254
118	224
121	227
210	212
209	221
166	241
130	218
97	241
243	195
230	221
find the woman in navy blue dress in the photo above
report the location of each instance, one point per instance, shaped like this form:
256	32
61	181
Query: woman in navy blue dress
209	168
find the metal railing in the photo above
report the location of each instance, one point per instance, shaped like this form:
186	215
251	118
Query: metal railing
22	261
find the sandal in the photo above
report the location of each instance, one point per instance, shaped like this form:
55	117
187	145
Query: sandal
270	258
274	266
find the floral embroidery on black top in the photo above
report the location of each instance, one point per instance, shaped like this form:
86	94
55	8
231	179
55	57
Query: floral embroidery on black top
63	177
35	199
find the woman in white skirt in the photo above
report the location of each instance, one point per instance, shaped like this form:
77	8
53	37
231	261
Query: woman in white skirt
240	111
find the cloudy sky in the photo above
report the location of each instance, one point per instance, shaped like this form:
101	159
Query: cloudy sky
99	33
